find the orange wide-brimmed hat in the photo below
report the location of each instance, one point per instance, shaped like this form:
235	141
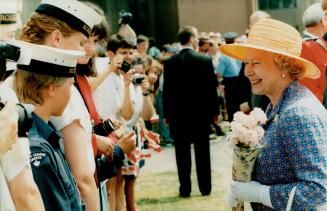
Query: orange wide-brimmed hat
276	37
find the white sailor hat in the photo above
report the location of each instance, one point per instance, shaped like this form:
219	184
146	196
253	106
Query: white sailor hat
76	14
47	60
8	11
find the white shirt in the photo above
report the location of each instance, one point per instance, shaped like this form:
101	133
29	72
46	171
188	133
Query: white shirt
13	161
108	98
76	110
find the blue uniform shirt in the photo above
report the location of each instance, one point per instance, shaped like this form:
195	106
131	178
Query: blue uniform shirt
228	67
50	169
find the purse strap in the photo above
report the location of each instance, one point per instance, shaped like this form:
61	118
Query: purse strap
84	88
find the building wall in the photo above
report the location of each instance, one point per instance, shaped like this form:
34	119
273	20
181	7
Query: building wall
293	16
215	15
162	18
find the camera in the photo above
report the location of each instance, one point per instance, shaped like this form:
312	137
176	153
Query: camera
7	52
137	80
104	128
24	121
11	52
125	66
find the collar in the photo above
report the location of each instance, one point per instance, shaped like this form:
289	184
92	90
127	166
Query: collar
273	112
46	131
186	47
307	34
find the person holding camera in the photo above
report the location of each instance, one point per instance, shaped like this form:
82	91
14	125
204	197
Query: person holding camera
18	190
115	97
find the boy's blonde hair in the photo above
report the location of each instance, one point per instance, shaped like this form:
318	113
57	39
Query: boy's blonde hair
29	86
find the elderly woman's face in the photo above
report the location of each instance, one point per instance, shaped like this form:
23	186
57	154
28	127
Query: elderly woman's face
262	72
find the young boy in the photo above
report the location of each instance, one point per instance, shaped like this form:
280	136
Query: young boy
44	78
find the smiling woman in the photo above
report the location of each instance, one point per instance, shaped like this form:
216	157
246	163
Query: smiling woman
293	160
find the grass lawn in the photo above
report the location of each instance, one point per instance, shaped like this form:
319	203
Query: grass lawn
159	191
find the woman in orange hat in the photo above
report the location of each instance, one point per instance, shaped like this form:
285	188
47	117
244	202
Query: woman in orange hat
291	171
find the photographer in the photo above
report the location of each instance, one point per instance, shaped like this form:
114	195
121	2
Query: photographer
117	97
113	99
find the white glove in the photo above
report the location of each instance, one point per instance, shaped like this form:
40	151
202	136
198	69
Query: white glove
249	191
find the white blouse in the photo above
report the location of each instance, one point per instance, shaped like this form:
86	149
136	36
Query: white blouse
76	110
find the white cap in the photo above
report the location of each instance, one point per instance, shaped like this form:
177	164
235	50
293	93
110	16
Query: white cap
8	11
47	60
73	12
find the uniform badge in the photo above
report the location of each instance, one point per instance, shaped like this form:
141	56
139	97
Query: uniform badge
36	158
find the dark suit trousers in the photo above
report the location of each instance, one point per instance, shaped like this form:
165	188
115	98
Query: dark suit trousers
202	161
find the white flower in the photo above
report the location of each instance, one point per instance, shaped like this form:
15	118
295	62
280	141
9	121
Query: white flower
250	121
239	116
250	138
259	115
235	126
260	131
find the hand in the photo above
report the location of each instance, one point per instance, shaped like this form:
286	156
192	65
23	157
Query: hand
145	84
117	123
152	78
127	143
116	63
105	145
128	77
249	191
8	127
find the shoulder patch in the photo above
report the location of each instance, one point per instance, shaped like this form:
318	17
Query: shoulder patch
36	158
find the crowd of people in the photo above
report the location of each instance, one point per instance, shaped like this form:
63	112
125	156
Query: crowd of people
95	104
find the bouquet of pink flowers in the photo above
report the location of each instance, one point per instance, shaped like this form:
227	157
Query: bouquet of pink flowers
246	136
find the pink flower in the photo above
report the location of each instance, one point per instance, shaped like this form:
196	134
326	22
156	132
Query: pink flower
246	129
249	121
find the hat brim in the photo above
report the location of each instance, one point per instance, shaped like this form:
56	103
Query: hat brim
238	51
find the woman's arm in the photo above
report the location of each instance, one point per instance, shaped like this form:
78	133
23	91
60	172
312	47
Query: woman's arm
24	192
8	127
75	140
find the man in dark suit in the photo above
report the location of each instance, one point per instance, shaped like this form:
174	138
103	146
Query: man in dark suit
190	104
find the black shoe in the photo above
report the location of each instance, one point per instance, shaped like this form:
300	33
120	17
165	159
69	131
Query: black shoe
184	195
205	193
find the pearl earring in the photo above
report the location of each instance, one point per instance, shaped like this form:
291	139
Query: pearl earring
283	75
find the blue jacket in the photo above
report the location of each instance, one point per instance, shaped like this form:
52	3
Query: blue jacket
50	169
295	151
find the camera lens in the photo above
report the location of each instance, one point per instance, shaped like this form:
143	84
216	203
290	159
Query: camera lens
24	122
138	79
